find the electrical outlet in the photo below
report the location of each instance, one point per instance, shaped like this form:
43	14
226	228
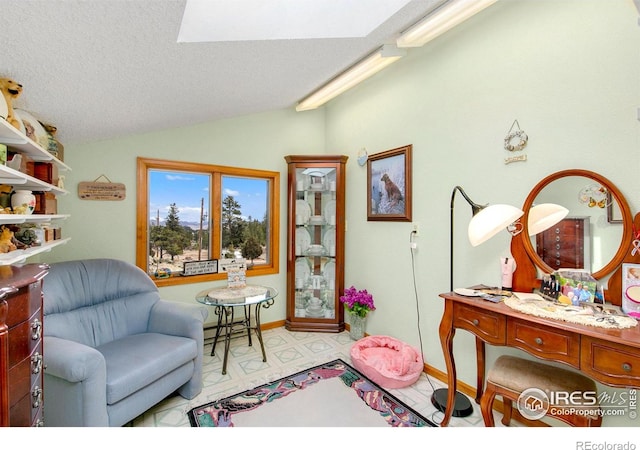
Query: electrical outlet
416	228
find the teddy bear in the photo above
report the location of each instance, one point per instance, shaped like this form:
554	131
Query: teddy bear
11	91
6	240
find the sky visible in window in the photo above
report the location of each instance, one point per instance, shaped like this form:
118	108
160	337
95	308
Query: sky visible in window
186	190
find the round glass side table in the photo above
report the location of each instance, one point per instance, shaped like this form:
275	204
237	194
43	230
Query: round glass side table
226	300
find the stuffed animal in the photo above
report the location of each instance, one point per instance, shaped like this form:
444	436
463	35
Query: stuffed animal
53	146
6	240
11	91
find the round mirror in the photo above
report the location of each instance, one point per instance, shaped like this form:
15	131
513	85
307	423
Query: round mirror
594	235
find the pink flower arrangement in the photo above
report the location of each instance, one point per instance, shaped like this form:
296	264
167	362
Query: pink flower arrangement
357	302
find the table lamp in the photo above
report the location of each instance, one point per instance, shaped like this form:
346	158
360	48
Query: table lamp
486	222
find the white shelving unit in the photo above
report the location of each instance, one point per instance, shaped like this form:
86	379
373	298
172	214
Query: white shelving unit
20	256
22	144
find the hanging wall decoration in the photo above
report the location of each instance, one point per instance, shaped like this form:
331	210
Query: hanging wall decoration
594	195
389	185
101	190
516	140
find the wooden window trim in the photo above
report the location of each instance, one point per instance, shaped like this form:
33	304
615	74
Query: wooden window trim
142	216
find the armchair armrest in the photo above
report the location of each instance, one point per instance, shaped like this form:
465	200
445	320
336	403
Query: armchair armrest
178	319
182	319
72	361
75	379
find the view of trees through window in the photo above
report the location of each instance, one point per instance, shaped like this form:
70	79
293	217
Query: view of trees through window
201	216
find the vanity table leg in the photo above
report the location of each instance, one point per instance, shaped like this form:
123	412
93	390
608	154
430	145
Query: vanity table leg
447	331
480	366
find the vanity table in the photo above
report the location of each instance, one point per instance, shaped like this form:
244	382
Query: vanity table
610	356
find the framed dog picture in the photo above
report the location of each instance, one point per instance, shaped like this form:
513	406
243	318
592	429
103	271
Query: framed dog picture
389	185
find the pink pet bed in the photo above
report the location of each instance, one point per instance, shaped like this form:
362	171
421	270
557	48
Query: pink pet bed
387	361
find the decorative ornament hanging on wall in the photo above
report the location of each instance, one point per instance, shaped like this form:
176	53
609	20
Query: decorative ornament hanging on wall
594	195
515	141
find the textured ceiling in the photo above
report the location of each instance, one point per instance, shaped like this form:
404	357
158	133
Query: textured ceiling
99	69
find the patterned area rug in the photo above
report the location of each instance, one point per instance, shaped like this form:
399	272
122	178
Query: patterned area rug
333	394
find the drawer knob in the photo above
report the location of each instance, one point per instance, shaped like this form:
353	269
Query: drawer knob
626	367
476	322
36	363
36	329
36	396
538	340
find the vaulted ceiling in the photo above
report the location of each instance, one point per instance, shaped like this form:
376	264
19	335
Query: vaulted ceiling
100	69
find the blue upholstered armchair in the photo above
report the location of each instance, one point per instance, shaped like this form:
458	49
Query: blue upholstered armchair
112	347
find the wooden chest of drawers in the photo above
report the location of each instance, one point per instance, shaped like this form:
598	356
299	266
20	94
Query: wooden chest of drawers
21	362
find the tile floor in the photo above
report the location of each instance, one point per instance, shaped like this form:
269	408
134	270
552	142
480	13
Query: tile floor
287	352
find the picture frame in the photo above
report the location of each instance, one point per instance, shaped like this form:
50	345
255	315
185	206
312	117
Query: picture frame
614	215
389	185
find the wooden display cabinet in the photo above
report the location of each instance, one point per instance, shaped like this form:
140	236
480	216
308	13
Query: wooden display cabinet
315	249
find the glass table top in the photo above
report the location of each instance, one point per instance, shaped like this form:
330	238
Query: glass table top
248	295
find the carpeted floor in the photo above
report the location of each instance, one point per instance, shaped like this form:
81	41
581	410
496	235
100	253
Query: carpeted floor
287	353
332	394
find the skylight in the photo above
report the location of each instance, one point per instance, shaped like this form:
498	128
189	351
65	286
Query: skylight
250	20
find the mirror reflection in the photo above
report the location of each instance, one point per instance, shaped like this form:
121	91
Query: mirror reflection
587	238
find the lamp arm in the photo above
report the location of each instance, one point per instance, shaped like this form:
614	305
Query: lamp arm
475	209
474	206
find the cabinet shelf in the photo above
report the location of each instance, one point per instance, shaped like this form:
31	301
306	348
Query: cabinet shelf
13	138
20	143
31	218
19	256
23	181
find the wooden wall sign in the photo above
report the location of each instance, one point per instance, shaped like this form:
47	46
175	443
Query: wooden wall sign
101	190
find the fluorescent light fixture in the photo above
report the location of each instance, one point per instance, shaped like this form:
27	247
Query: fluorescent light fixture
452	13
367	67
544	216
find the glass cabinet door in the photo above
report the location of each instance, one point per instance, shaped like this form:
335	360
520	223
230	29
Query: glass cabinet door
315	266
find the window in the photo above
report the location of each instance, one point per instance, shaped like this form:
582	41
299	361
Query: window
190	212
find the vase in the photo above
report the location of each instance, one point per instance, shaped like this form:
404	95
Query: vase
23	199
356	326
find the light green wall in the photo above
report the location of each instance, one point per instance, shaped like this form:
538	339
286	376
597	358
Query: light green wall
568	71
107	229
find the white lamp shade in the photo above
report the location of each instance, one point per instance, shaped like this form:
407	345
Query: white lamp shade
490	220
545	216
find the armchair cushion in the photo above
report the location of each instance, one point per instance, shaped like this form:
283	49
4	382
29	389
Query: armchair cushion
136	361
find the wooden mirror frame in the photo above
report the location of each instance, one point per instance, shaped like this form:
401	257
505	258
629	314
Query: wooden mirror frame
525	277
